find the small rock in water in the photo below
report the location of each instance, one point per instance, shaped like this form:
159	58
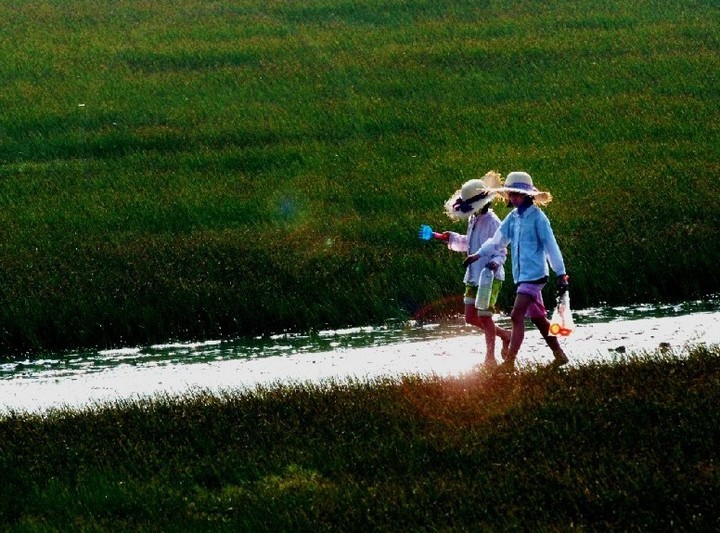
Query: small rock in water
620	349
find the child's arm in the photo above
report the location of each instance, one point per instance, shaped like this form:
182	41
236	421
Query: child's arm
499	256
555	258
552	250
457	242
495	245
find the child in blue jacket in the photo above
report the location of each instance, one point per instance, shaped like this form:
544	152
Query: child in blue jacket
472	203
532	246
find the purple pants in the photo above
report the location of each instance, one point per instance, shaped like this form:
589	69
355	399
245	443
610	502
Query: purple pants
537	307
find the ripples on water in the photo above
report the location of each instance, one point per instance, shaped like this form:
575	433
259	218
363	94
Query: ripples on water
92	361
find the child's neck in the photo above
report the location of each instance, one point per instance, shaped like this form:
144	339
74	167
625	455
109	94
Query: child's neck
483	211
526	203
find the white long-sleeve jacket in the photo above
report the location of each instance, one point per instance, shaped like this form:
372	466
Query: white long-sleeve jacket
480	228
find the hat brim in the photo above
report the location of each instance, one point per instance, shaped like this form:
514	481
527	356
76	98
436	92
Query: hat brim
541	197
492	185
477	206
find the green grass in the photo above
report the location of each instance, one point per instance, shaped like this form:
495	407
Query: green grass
628	446
192	169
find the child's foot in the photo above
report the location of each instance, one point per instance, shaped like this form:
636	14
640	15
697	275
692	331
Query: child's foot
490	363
508	364
504	349
560	358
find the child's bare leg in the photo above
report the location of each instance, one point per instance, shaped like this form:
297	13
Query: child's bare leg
471	316
489	328
505	337
543	324
517	317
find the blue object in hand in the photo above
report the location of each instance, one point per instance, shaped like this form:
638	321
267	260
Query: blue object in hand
425	233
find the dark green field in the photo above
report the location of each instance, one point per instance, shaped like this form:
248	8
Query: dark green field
194	169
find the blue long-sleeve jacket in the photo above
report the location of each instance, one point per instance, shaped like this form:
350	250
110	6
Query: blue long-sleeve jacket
532	245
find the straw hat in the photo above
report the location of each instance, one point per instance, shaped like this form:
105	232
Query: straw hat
473	196
522	183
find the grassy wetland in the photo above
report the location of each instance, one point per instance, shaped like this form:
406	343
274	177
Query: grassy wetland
192	169
624	447
195	169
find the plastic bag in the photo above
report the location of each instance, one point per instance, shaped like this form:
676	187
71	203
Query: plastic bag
561	322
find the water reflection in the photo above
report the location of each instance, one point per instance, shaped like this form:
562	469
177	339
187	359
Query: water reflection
410	347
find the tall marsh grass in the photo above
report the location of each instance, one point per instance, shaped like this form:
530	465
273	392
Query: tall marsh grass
630	446
191	169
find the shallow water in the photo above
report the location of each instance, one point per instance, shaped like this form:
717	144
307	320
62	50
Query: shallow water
90	378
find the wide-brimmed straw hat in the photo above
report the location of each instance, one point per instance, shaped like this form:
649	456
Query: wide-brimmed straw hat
521	182
473	196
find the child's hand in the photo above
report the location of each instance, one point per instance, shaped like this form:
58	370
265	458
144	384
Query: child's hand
444	236
562	284
492	265
470	259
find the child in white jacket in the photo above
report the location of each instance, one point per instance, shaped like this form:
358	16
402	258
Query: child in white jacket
472	203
